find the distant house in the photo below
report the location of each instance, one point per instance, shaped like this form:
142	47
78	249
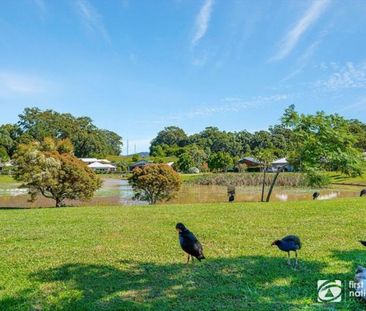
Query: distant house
252	163
99	165
281	163
102	168
92	160
140	163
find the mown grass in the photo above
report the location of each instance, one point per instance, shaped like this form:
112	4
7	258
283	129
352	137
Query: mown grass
128	258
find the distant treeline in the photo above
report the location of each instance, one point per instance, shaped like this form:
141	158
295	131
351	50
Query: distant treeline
36	125
213	149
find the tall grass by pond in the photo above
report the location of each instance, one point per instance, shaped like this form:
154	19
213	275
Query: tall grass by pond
250	179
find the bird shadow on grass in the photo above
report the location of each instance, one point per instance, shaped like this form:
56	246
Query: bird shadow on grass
250	282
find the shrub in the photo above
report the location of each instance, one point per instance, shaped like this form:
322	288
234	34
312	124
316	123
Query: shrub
317	179
155	182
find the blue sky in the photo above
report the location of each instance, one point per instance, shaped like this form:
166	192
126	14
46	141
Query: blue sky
135	66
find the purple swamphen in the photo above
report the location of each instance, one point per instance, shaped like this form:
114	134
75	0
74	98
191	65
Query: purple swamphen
189	243
287	244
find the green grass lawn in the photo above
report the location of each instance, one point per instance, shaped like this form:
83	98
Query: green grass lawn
128	258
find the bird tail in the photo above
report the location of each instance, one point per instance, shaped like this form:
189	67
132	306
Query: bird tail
363	242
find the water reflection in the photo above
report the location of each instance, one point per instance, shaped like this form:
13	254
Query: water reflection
117	192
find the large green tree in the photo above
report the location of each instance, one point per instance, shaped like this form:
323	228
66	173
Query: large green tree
220	161
88	140
171	136
323	142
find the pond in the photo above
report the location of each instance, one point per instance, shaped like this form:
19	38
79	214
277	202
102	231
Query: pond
117	192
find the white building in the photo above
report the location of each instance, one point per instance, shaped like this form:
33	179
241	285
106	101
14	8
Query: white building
281	163
99	165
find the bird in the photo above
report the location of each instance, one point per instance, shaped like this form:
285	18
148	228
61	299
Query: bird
287	244
363	192
316	195
231	198
189	243
363	242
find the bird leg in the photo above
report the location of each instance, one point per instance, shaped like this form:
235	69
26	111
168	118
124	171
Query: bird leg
296	262
288	259
188	259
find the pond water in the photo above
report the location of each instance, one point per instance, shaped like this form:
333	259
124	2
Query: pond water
117	191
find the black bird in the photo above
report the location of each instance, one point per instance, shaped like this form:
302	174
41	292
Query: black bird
231	198
287	244
363	243
316	195
189	243
363	192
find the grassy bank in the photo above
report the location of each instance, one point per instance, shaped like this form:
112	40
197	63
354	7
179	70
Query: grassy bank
6	179
339	178
128	258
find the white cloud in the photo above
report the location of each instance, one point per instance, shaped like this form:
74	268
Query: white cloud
15	83
346	77
236	104
91	18
304	57
290	40
202	21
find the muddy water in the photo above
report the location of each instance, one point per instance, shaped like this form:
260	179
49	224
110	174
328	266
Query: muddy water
116	192
212	194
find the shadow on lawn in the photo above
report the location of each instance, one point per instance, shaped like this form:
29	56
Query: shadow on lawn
255	282
356	256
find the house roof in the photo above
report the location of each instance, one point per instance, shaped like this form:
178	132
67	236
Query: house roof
141	162
100	165
280	161
104	161
250	159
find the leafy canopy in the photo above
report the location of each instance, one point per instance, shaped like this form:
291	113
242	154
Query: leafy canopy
155	182
323	142
49	169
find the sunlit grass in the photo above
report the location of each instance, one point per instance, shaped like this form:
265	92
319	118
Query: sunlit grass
126	258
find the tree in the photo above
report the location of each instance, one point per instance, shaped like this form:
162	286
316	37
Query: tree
185	162
220	161
266	157
155	182
169	136
48	170
88	140
323	142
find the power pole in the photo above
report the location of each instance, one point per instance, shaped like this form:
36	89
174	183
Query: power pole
127	146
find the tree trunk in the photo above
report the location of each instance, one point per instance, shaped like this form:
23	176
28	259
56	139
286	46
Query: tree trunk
263	184
273	183
59	202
